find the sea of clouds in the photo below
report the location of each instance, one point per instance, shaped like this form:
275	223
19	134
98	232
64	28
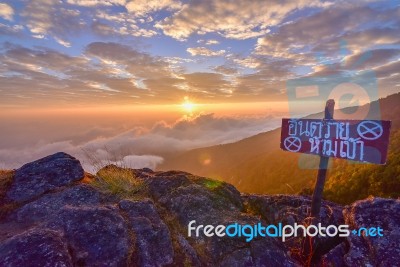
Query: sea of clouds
139	146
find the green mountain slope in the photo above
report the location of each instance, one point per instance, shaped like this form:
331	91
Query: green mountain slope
257	164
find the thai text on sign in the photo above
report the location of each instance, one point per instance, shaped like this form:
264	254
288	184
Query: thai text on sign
358	140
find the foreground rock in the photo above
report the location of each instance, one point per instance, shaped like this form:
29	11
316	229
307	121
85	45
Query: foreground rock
96	236
66	222
188	198
289	210
152	237
35	248
368	250
35	178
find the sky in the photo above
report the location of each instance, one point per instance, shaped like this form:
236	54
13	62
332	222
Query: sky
168	75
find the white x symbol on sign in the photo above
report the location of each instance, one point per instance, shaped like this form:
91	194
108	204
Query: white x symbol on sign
292	143
370	130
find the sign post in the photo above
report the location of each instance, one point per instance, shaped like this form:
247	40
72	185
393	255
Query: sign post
323	166
358	140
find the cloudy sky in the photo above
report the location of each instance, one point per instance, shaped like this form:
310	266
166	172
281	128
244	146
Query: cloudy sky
140	60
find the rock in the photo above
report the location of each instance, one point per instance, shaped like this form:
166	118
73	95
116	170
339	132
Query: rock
56	219
290	209
190	256
96	236
35	248
197	202
163	183
258	253
35	178
238	258
335	257
212	202
153	246
263	255
374	251
48	205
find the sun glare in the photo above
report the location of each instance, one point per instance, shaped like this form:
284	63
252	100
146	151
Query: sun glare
187	105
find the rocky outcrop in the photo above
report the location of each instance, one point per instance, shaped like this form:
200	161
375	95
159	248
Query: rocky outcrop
366	250
35	248
152	237
289	210
49	204
186	197
66	221
35	178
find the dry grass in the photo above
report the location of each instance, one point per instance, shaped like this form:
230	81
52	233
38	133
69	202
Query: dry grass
6	178
88	178
115	178
118	181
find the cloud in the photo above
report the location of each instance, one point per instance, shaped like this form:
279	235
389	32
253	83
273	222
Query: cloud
226	70
209	84
140	8
10	30
121	25
208	42
6	11
142	161
93	160
137	63
50	17
62	42
367	60
249	62
391	69
137	147
349	38
207	129
92	3
114	74
115	71
350	23
203	51
235	20
107	72
66	20
212	42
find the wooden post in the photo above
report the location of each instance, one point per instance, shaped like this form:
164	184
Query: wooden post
323	166
308	244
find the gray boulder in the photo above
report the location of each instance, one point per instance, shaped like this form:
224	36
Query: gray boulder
153	246
287	209
96	236
41	248
35	178
373	250
188	198
49	204
335	257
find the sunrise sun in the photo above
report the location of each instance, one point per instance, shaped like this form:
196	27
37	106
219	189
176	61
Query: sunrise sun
187	105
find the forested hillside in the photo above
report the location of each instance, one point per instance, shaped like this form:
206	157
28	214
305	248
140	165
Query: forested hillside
258	165
349	182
